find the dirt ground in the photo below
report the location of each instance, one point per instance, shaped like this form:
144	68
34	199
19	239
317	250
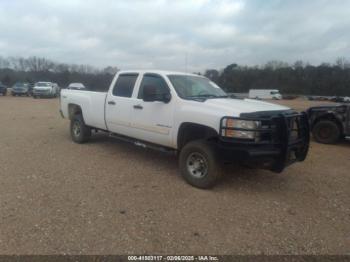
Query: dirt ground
110	197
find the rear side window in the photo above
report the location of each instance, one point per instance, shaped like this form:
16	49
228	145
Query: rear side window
157	82
125	85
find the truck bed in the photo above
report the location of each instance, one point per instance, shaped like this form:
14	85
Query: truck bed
92	104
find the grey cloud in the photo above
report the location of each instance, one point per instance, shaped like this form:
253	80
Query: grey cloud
161	34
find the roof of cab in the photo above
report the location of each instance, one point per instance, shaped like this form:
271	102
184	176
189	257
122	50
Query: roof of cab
155	71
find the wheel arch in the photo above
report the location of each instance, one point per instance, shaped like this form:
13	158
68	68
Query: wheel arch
189	131
73	110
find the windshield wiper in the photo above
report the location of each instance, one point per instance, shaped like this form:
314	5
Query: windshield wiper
223	96
208	96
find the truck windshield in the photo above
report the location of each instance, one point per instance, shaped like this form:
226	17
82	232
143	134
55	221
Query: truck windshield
192	87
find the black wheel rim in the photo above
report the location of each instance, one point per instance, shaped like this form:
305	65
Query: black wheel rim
197	165
325	132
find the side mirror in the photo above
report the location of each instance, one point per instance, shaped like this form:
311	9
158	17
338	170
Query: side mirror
150	95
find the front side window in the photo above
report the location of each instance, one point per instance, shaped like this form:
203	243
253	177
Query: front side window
125	85
192	87
156	82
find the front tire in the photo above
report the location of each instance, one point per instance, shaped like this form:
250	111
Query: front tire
198	164
326	132
80	133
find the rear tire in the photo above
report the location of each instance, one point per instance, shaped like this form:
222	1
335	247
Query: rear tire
198	164
326	132
80	133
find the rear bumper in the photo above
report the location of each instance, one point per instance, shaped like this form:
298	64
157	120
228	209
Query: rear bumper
278	151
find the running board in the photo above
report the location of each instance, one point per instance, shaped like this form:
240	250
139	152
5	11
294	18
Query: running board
142	143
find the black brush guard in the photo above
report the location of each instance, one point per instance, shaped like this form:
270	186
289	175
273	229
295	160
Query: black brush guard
282	138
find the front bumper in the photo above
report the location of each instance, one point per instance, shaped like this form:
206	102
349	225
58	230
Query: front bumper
19	92
44	93
283	141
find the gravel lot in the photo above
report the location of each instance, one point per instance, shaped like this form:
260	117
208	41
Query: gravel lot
109	197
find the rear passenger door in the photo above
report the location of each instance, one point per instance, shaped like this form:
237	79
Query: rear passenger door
119	103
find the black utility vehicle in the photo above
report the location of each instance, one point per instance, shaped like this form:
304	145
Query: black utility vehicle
3	89
329	123
20	89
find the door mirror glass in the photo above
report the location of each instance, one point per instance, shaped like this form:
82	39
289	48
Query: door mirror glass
150	94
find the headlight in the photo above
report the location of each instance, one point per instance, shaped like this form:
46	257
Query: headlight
237	128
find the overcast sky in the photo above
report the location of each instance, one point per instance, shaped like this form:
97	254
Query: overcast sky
161	34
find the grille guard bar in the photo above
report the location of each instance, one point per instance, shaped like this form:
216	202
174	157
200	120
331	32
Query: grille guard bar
278	134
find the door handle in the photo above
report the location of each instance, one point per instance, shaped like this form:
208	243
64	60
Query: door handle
138	106
111	102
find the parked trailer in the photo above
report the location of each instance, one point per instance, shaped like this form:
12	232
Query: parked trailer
265	94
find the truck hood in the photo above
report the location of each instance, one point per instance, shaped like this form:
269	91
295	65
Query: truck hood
237	106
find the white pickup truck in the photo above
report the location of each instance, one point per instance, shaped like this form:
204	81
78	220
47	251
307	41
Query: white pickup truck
193	117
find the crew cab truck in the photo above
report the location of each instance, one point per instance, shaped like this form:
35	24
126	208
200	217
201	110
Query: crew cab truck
329	123
193	117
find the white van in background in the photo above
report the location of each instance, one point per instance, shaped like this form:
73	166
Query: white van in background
265	94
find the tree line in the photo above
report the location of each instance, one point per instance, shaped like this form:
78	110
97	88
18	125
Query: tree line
34	69
299	78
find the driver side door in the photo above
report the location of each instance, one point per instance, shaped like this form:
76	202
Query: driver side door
153	121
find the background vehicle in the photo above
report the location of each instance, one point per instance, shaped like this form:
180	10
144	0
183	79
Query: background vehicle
78	86
31	87
45	89
191	116
265	94
329	123
19	89
3	89
340	99
57	88
346	99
